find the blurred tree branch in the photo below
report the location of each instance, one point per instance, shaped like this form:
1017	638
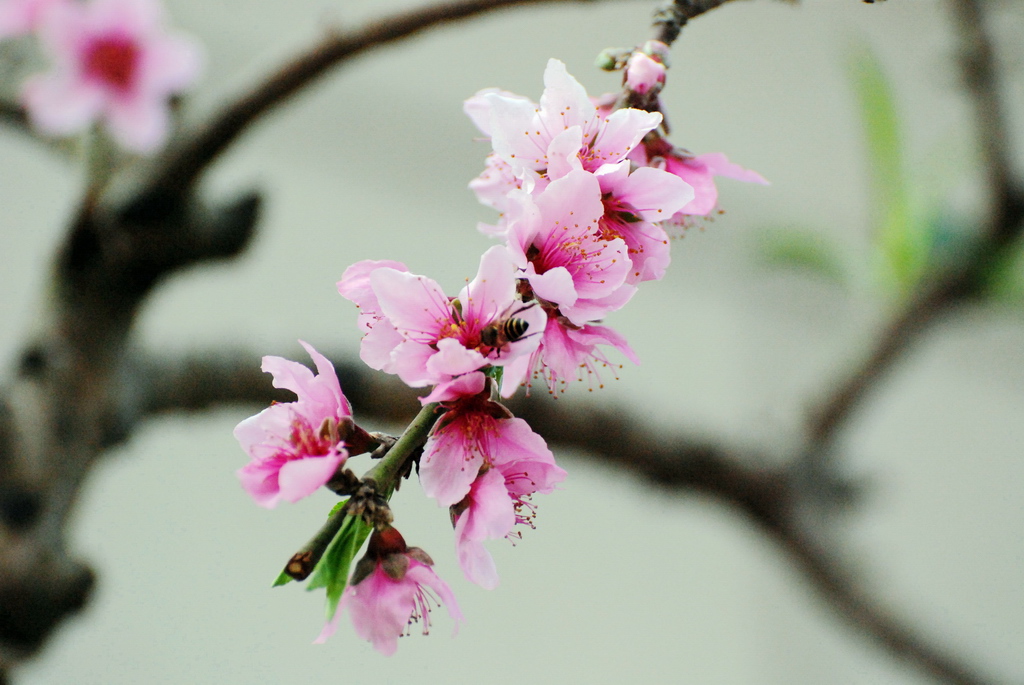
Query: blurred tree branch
1000	233
12	115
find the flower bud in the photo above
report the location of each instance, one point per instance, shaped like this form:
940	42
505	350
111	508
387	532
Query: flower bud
644	74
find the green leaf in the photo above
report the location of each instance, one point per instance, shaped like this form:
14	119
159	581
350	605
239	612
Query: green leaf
495	372
804	250
282	579
903	240
333	569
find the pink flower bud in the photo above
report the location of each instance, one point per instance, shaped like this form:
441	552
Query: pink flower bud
644	74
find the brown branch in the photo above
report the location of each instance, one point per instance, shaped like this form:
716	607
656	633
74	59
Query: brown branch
69	397
1001	233
203	380
185	163
671	19
981	80
894	341
837	586
770	497
14	116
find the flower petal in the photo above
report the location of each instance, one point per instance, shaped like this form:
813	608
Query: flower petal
300	478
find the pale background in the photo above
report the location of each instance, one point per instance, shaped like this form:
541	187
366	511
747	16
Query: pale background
619	584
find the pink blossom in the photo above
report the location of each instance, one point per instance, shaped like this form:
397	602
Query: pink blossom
389	591
555	239
499	498
355	286
112	60
492	188
567	352
20	17
297	446
633	203
698	171
381	337
539	143
484	514
428	338
473	434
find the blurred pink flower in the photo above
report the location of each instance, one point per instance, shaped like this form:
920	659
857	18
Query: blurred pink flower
19	17
388	592
112	60
297	446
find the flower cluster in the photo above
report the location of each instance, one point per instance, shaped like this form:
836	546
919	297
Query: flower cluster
112	61
583	191
478	460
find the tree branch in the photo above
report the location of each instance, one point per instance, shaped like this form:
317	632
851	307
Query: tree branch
13	116
182	166
1001	232
671	19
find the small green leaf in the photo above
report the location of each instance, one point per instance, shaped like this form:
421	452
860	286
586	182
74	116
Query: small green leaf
903	240
282	579
802	249
337	507
332	571
495	372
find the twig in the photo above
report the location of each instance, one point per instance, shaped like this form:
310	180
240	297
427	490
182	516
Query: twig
185	163
14	116
842	592
1001	230
379	482
980	75
673	17
302	563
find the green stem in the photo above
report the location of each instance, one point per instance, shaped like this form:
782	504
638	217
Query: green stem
384	475
305	560
385	472
100	160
